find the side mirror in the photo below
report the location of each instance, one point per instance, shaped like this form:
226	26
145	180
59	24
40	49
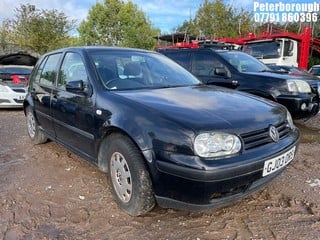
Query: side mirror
75	86
220	71
79	87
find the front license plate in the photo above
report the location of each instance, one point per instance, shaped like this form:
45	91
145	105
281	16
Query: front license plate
274	164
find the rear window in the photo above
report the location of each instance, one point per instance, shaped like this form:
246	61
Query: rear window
15	70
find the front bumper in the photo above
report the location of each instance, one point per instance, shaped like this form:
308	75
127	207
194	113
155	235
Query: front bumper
300	106
242	187
183	187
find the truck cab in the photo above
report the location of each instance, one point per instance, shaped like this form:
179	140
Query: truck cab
278	51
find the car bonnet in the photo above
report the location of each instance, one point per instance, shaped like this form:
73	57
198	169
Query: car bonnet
207	107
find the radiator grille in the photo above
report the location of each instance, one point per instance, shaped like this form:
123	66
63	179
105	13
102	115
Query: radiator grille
261	137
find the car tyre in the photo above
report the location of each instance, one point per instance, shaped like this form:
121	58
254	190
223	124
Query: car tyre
130	180
35	134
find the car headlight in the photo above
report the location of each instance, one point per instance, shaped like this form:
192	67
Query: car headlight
290	121
300	86
3	88
216	144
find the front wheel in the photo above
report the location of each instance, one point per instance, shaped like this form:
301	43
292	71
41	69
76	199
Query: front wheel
130	180
35	134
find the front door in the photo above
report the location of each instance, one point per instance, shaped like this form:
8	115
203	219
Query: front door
73	113
211	70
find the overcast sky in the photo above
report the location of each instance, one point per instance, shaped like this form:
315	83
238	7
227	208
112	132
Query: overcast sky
163	14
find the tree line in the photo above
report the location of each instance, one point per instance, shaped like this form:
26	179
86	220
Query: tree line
122	23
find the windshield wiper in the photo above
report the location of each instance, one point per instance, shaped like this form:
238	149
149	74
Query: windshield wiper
269	70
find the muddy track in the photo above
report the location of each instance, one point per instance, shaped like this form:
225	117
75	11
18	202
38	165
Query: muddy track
47	192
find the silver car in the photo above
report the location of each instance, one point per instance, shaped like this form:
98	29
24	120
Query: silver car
13	85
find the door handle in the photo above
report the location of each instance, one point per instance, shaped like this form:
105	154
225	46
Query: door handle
234	82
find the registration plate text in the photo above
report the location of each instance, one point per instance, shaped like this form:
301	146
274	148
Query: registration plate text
274	164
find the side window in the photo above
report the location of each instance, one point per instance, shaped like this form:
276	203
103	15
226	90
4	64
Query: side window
288	48
204	64
72	69
47	73
183	58
39	70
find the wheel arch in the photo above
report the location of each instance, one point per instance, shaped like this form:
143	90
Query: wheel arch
128	174
26	103
101	161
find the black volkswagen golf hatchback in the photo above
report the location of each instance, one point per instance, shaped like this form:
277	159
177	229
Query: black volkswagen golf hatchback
159	134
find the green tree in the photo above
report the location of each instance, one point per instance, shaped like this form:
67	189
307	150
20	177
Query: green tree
117	23
216	19
189	27
40	30
5	36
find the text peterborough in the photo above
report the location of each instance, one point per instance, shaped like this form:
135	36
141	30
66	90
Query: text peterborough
286	7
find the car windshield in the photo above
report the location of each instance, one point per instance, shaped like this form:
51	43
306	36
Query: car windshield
316	70
263	50
139	70
243	62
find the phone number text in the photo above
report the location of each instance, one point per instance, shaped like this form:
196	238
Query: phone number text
264	17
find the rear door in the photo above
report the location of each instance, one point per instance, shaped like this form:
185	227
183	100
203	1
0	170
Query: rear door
73	113
41	91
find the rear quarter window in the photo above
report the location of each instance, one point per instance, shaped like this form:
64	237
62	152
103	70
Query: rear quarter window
182	58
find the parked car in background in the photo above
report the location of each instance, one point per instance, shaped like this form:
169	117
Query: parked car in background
13	85
160	134
15	73
313	81
240	71
315	70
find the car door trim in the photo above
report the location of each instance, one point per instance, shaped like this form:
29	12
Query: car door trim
74	129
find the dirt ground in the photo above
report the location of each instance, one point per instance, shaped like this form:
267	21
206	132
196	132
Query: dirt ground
47	192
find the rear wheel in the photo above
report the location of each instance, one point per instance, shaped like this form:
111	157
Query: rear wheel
36	135
130	180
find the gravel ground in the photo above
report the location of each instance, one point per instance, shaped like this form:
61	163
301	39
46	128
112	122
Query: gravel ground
47	192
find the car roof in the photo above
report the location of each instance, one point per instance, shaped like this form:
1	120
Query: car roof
89	48
195	49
